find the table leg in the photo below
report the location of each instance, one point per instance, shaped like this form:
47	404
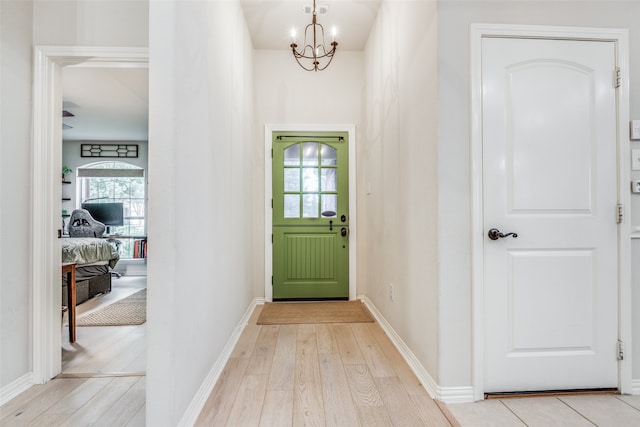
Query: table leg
71	299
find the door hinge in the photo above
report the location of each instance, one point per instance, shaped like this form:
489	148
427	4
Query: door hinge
617	80
620	350
619	213
272	153
271	280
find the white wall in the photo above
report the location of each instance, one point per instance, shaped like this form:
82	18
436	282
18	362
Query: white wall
91	23
15	183
287	94
201	201
24	24
454	169
399	164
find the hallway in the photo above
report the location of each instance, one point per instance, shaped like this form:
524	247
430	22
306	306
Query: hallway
344	374
322	374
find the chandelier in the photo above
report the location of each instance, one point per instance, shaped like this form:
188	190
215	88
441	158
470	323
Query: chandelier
314	57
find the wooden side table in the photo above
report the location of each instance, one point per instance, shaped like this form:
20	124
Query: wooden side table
69	268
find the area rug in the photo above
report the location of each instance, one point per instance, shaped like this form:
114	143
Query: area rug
131	310
283	313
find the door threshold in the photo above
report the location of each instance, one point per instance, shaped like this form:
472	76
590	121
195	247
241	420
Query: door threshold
101	375
544	393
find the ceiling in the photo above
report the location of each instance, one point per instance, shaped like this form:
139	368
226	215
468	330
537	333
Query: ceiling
112	103
270	21
108	104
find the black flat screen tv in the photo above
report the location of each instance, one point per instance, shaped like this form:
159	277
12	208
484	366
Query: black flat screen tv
109	214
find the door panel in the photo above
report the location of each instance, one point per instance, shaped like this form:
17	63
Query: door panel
310	216
549	175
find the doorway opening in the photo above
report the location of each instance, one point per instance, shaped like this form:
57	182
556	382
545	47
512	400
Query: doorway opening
47	193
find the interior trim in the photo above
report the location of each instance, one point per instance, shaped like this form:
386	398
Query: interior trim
194	409
443	394
46	192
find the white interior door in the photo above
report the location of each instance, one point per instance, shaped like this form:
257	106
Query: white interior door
549	175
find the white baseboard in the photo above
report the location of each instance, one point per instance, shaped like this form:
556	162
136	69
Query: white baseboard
190	416
443	394
635	387
16	387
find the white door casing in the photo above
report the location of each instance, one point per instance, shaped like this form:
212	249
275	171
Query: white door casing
546	156
46	191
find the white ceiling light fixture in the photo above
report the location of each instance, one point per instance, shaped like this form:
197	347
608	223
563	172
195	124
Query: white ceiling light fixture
314	57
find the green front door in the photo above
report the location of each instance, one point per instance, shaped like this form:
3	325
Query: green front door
310	215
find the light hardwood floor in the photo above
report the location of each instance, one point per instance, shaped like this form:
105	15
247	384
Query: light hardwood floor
298	375
103	375
318	375
106	349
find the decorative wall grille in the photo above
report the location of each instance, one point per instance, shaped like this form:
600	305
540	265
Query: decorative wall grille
109	150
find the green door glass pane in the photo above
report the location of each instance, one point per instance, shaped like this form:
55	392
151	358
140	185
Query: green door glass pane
329	179
310	206
292	155
291	179
292	206
310	153
310	179
329	204
329	155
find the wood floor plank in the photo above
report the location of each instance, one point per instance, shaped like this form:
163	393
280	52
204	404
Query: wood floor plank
363	389
307	329
430	411
284	359
400	407
133	350
25	414
72	402
250	398
347	345
263	352
400	366
101	403
97	346
277	410
246	342
308	407
378	364
127	406
327	343
15	406
339	408
218	406
374	416
139	419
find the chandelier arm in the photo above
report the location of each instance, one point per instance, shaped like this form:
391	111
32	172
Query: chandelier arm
316	48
